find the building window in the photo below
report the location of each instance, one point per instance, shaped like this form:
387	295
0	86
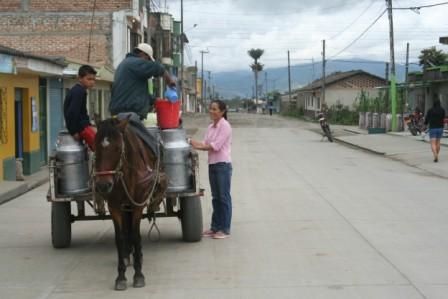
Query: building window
3	116
134	39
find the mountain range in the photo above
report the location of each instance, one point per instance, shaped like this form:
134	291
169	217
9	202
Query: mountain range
240	83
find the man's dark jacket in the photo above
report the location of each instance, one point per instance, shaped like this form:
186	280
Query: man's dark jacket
130	88
75	109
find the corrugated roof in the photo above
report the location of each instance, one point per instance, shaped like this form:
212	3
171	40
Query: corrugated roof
336	77
10	51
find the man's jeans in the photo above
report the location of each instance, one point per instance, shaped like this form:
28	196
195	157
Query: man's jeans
220	175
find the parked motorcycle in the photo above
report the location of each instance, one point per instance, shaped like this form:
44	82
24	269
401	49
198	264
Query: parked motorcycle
325	126
415	123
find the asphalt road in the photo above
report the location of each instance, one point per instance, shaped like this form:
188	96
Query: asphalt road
311	219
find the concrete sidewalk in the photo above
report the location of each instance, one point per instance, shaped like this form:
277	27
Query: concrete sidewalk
11	189
403	147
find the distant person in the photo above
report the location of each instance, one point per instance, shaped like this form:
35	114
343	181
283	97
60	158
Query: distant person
270	109
77	120
217	142
435	118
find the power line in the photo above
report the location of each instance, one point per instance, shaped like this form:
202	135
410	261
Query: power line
361	35
417	8
352	23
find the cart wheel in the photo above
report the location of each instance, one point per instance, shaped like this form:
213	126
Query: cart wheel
191	218
61	226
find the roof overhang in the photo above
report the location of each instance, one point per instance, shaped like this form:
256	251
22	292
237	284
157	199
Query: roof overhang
104	73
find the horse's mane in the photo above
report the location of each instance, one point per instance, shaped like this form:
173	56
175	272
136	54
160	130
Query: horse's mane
108	128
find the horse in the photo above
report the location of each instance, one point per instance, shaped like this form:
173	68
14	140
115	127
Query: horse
128	176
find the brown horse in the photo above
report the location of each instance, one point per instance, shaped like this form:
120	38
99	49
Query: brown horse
128	176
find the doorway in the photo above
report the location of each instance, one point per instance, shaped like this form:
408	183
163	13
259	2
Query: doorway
18	109
43	122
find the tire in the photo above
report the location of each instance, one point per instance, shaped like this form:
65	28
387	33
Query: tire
61	224
413	130
191	218
328	133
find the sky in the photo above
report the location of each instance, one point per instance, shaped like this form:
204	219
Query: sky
227	29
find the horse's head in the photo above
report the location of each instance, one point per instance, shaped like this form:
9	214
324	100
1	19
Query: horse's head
109	153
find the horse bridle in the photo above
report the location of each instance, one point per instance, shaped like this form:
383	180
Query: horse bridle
118	172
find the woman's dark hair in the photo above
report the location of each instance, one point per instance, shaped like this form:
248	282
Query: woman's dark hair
222	107
436	102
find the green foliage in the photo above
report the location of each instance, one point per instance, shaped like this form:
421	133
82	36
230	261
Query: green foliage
255	54
432	57
367	103
294	112
256	67
342	115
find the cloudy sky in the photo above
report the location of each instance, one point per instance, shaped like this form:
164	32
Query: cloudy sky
228	28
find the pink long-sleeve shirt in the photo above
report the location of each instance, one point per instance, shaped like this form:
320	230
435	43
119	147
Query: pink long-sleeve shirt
219	137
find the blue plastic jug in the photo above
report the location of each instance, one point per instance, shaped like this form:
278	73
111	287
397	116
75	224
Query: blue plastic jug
171	94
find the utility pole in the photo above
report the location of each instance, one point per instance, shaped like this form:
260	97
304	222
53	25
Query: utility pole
148	28
393	80
209	86
202	78
205	94
289	78
266	83
196	86
406	75
388	85
322	103
184	108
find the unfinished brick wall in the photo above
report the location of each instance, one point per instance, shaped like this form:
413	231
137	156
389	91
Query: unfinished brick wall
59	35
60	27
362	81
10	5
78	5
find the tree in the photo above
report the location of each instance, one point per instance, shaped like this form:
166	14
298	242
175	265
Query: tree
432	57
256	67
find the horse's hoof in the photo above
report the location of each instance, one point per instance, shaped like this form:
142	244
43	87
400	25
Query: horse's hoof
139	281
121	285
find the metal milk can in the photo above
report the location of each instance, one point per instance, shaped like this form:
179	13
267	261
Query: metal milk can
72	165
176	160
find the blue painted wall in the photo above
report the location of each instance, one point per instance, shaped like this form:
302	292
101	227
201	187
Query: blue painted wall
56	110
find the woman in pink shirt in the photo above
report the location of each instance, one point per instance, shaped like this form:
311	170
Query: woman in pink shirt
217	142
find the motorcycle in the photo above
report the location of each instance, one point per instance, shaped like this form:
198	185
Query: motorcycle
325	126
415	123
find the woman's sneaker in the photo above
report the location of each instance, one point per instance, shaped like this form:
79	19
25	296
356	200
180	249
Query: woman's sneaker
220	235
208	233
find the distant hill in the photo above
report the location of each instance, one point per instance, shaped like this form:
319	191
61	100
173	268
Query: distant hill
240	83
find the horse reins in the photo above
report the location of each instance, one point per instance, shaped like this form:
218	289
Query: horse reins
118	172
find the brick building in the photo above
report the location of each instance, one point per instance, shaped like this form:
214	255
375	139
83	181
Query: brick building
74	29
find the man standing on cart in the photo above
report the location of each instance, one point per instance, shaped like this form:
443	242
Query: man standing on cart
130	96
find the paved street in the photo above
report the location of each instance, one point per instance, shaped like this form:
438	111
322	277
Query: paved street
312	219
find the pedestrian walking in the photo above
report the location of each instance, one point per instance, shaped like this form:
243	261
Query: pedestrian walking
217	143
435	118
77	120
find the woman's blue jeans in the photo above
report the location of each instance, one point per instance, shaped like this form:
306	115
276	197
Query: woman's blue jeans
220	175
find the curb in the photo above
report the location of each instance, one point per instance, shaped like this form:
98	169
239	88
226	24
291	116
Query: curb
21	189
359	147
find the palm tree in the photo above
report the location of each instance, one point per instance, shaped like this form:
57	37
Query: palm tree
432	57
256	67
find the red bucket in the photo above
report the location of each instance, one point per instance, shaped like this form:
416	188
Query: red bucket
167	114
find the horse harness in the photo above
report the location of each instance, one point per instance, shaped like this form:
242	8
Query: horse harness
118	174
